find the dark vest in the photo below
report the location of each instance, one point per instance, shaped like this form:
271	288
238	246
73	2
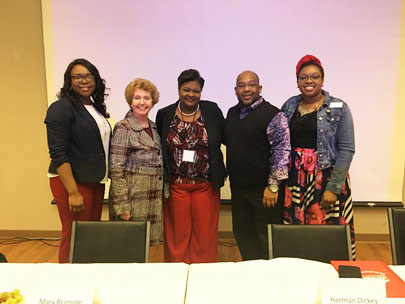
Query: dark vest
248	147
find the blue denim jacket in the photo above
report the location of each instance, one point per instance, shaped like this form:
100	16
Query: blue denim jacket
335	137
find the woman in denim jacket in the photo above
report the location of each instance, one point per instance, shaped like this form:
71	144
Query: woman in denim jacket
322	140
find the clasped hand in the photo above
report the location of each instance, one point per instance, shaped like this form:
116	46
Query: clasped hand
126	216
328	200
269	198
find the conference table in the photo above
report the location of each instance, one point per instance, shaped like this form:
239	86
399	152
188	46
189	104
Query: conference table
281	280
105	283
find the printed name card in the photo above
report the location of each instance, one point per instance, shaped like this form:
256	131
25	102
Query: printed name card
353	291
69	295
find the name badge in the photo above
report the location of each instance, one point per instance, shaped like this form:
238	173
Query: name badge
336	104
188	156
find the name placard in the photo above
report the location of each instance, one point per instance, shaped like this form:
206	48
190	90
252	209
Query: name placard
353	291
78	295
60	301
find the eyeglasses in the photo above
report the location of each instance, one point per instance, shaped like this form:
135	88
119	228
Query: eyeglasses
306	77
80	78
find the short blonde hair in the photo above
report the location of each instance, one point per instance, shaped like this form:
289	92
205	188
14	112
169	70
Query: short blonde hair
142	84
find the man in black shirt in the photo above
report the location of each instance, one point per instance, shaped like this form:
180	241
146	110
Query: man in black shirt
258	147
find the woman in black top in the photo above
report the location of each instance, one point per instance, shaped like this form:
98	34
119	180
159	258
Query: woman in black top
78	140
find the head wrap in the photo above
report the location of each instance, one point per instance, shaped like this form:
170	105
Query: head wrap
305	59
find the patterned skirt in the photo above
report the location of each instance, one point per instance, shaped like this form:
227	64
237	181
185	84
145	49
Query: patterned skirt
304	190
145	196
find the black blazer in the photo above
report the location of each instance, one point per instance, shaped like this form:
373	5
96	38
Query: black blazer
74	137
214	124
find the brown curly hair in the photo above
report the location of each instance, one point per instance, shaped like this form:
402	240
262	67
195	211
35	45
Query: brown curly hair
142	84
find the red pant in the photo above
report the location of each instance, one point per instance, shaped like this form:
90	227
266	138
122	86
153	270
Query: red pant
191	217
93	195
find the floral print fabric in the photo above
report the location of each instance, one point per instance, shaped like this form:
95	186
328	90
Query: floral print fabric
304	191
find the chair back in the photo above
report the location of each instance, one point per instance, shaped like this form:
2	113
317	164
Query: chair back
109	242
321	243
396	222
3	258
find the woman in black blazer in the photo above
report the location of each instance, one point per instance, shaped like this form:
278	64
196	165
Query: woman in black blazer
192	132
78	141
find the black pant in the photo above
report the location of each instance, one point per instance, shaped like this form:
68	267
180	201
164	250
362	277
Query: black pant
250	220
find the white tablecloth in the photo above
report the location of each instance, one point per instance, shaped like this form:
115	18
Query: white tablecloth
281	281
110	283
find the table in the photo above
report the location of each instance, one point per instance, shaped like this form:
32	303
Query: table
110	283
281	280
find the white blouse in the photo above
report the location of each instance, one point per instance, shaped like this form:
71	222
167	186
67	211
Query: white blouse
105	132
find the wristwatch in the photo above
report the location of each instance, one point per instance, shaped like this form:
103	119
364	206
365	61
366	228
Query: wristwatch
273	188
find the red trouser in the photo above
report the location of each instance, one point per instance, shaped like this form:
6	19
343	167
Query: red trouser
191	217
93	195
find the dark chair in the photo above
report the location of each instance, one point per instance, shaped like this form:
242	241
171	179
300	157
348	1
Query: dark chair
3	258
396	222
321	243
109	242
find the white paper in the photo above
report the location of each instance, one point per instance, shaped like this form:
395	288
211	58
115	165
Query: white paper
188	156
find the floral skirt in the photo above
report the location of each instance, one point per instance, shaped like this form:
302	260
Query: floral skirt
304	190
